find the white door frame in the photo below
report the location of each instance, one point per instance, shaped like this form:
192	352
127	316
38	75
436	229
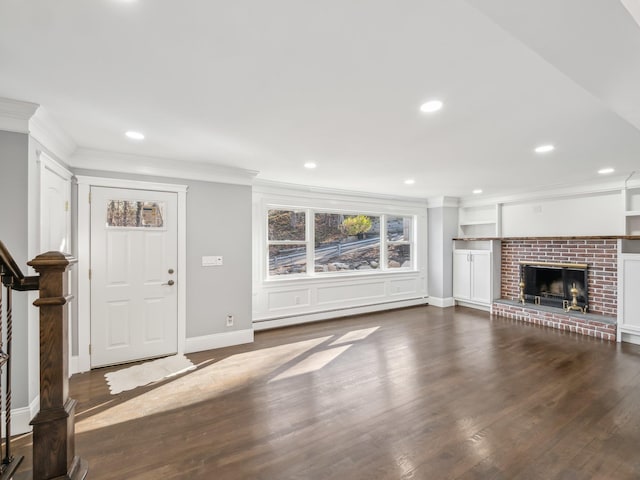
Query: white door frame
84	258
46	162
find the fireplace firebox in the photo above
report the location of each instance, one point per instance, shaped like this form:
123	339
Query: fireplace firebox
562	285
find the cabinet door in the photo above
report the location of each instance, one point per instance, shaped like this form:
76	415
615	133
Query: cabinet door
481	277
631	279
461	275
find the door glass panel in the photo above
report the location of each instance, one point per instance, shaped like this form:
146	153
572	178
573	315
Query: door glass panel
136	214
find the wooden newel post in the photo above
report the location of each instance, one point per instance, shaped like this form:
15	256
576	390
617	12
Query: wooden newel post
53	427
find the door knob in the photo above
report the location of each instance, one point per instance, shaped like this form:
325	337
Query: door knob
170	282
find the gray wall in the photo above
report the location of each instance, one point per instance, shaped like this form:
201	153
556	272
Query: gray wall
443	228
13	233
218	223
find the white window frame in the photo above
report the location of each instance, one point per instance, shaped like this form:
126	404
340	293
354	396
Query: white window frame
412	243
309	243
305	242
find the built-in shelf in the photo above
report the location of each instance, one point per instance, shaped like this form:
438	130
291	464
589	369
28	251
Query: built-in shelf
633	225
479	220
632	199
632	210
474	244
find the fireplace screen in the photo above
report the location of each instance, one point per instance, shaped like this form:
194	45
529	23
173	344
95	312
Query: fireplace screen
552	283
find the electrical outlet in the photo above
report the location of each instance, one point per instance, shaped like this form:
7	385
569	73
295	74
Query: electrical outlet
229	320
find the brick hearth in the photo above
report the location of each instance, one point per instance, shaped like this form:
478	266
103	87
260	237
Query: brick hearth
601	256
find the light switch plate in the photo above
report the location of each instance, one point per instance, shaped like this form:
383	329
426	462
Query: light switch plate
212	261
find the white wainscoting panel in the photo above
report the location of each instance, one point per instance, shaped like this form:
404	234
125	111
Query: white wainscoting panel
282	300
346	292
404	286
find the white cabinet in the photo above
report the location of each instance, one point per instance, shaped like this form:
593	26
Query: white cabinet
461	274
472	276
476	272
628	299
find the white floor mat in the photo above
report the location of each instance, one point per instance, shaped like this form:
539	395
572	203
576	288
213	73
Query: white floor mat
146	373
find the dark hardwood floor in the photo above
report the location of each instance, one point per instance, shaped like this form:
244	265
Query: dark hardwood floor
418	393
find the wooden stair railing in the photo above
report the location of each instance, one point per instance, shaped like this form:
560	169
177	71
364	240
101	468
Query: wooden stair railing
12	278
53	426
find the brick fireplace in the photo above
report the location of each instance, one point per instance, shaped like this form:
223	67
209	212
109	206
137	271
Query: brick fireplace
601	257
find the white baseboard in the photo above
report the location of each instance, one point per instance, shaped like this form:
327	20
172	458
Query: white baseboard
74	365
442	302
20	417
630	337
477	306
217	340
331	314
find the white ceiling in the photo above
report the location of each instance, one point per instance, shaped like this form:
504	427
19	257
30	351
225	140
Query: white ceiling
267	86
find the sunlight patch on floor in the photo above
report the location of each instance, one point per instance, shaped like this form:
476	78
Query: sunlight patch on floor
201	385
312	363
354	336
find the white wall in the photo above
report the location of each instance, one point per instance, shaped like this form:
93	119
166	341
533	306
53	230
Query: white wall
283	301
581	215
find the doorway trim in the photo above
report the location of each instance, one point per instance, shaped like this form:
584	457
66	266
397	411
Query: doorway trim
84	256
47	163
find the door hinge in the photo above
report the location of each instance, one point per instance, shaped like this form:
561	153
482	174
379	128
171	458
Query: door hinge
66	206
89	349
89	197
89	274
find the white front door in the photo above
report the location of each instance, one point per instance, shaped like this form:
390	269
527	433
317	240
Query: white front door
133	275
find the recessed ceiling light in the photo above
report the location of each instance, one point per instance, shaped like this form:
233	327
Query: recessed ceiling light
409	181
604	171
477	191
310	165
545	148
135	135
431	106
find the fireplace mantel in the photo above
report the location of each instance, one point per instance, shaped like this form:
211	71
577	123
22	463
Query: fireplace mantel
590	237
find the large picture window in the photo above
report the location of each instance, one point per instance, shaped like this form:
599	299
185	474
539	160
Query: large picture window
306	242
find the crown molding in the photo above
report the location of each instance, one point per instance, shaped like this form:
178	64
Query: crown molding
50	135
633	6
15	115
618	184
281	188
161	167
440	202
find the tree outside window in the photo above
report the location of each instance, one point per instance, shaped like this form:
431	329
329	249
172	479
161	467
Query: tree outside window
345	243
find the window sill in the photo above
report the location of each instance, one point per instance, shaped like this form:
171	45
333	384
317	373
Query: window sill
337	276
